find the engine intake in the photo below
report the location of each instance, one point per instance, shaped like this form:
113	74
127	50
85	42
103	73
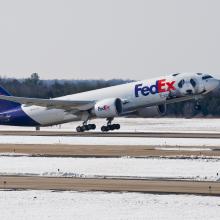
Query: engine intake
108	108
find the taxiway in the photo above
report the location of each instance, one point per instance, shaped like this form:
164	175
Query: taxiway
65	150
110	185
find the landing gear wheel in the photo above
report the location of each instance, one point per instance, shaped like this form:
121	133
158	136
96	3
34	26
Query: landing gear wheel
79	129
104	128
110	127
117	126
86	127
91	126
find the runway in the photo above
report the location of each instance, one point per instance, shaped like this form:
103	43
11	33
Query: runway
62	150
110	185
113	134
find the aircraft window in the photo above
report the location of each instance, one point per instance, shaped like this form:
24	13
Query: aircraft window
193	82
207	77
199	74
181	82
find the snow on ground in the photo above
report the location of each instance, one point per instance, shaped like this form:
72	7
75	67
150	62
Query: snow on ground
181	148
200	169
100	205
159	124
190	142
25	205
143	124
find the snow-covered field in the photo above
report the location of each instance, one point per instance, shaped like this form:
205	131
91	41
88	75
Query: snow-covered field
158	124
132	125
26	205
100	205
143	124
175	142
200	169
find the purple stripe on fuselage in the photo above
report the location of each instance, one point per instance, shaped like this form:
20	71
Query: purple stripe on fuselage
7	105
16	117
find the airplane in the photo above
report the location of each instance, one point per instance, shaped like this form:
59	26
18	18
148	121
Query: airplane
144	98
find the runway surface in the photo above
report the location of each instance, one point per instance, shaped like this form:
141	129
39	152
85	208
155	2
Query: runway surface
62	150
113	134
110	185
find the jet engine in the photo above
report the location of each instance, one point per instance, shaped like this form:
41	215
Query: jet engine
108	108
153	111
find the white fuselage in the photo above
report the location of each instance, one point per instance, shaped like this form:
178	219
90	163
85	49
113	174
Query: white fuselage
136	95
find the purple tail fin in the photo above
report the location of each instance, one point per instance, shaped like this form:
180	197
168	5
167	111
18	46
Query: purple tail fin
6	105
4	92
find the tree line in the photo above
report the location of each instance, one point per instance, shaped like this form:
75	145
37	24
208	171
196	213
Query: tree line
33	86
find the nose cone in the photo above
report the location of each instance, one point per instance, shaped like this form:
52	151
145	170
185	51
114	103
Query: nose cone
211	84
216	91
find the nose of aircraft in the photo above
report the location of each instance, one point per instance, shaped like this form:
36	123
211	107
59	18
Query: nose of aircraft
211	84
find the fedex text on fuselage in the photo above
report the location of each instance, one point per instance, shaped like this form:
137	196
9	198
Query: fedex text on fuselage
160	86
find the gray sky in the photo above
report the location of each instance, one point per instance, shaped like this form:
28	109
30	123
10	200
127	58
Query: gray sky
133	39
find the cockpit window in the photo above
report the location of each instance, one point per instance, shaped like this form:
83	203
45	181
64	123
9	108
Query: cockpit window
181	83
193	82
175	74
206	77
199	74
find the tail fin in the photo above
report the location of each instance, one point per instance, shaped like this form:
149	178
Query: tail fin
4	92
6	105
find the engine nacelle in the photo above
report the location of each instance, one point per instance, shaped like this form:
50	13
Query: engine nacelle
108	108
153	111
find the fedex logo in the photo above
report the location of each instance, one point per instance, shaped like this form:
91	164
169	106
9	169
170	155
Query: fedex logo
160	86
104	108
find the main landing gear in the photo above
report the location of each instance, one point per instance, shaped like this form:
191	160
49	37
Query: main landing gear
86	127
110	127
104	128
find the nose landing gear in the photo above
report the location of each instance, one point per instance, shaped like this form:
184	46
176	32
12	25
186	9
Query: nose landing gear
197	106
110	127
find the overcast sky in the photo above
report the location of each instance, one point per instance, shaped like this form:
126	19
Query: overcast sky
84	39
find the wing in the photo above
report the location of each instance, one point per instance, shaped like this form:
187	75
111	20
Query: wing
67	105
179	99
182	99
